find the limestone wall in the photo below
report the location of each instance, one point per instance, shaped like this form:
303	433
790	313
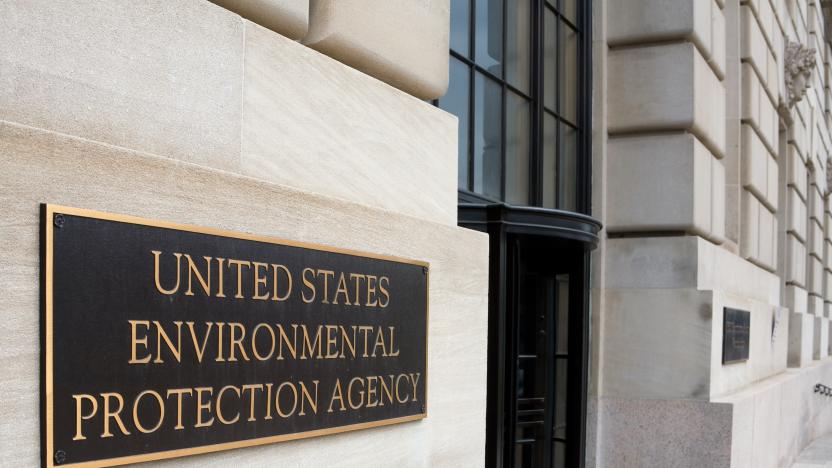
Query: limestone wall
713	190
185	111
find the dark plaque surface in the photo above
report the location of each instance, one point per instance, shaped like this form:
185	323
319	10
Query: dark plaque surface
164	340
736	329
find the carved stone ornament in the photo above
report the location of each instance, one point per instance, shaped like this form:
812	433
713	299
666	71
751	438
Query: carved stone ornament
828	176
799	63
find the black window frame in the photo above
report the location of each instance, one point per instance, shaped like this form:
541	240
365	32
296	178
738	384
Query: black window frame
583	122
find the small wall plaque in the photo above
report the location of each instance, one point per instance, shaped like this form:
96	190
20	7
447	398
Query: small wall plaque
736	333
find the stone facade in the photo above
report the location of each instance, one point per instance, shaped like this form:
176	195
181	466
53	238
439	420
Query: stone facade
188	112
712	132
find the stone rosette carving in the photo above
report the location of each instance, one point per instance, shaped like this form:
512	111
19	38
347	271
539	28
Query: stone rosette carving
798	65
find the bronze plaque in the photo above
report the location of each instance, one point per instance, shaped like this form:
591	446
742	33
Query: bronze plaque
162	340
736	332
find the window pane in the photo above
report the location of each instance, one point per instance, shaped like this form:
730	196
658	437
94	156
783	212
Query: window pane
562	324
518	44
489	35
559	455
549	58
455	101
549	170
461	26
568	78
487	136
517	149
528	385
569	9
568	167
560	397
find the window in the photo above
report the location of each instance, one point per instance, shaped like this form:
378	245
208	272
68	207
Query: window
518	83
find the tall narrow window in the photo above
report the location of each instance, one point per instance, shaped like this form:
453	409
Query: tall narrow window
518	85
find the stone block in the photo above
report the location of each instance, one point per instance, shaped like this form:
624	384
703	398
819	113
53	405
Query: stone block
668	359
816	201
662	183
815	277
666	87
717	233
663	262
798	176
756	52
718	59
797	299
816	305
367	35
40	166
97	70
821	341
795	260
767	255
287	17
801	337
303	114
701	22
797	212
757	108
750	226
815	239
675	433
759	168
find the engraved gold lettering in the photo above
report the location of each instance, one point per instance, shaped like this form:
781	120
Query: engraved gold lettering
162	335
239	264
156	254
202	406
251	388
257	355
113	414
134	340
259	281
137	422
305	396
307	283
279	409
179	392
383	289
218	408
275	294
193	270
79	416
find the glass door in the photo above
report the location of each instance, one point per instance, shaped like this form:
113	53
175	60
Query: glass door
538	350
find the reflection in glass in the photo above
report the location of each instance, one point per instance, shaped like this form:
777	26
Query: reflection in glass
569	9
527	382
455	101
517	149
568	73
548	173
562	319
550	52
568	176
489	35
560	398
487	136
518	44
461	26
559	457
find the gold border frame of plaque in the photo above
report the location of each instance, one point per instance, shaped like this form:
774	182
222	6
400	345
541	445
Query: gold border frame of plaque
50	210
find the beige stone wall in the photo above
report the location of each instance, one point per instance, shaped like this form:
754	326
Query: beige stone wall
184	111
714	194
401	42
